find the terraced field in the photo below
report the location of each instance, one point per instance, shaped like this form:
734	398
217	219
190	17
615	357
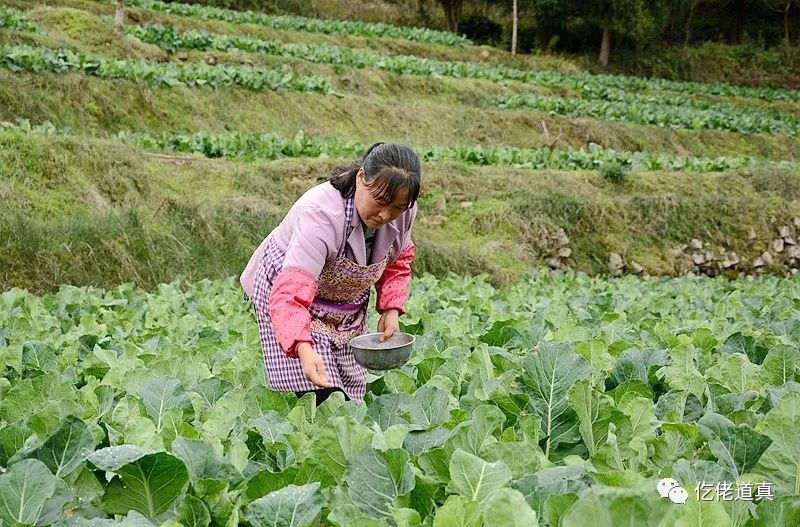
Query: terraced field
515	148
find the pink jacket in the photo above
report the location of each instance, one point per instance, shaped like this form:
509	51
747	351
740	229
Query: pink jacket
310	235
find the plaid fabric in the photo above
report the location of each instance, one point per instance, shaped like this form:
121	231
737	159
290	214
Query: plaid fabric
286	374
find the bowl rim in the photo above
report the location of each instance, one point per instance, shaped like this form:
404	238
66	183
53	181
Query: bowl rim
409	343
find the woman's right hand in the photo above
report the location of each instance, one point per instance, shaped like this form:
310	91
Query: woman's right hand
313	367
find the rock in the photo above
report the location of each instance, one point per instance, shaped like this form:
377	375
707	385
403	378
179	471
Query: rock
561	238
440	206
677	251
696	244
793	271
466	204
793	263
211	59
698	259
789	241
766	257
777	245
796	222
564	252
792	251
182	55
554	263
751	234
636	268
615	262
784	231
710	257
730	260
758	262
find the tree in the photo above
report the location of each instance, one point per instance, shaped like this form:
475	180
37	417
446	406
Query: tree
119	18
635	19
514	28
452	12
692	9
782	6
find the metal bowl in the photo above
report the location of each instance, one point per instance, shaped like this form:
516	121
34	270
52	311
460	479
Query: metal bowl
373	354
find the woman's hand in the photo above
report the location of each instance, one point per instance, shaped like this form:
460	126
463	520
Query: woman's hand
313	367
388	324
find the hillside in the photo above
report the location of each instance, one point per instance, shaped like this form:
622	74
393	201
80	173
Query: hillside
145	158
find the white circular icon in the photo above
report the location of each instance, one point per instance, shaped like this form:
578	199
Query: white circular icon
666	485
669	488
678	495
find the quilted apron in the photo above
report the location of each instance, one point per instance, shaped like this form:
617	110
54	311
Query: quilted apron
338	313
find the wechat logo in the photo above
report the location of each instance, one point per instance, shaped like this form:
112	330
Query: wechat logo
669	488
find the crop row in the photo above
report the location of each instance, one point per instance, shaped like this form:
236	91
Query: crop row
561	400
164	75
596	86
298	23
14	19
658	111
251	147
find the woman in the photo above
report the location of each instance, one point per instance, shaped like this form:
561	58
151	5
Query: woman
310	279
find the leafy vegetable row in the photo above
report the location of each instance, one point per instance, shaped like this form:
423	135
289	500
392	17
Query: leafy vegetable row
560	400
594	86
14	19
659	111
297	23
251	146
163	75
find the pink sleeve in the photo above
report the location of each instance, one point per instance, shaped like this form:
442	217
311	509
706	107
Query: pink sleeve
292	293
392	287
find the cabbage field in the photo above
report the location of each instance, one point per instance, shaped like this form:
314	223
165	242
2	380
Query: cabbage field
561	400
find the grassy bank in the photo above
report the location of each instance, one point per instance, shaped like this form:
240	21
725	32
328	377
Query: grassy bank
94	212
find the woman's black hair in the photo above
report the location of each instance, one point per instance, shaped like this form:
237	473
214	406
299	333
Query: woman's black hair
388	169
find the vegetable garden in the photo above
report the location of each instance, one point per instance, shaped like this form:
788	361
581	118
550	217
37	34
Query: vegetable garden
560	399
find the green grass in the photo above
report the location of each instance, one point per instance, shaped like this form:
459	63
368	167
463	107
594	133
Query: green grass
84	210
119	214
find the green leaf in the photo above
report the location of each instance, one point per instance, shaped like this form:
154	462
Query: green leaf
458	511
682	373
780	463
595	411
291	506
376	479
781	512
508	508
339	441
550	374
63	451
702	513
192	512
781	366
31	495
203	463
746	345
612	507
159	396
471	436
738	448
549	482
147	483
428	407
474	478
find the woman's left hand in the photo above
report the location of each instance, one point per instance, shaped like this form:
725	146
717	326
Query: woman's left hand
388	324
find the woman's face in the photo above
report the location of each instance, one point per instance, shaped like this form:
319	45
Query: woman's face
374	213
